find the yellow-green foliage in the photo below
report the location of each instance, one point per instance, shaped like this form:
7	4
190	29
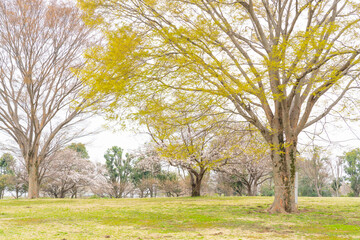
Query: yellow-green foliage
219	49
110	68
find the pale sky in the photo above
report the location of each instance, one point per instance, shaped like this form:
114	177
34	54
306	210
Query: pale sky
97	144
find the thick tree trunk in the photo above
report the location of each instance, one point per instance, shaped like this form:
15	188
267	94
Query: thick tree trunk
33	180
318	191
254	189
284	159
196	179
251	187
249	190
195	189
62	193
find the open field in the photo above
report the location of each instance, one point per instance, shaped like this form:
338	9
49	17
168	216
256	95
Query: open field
178	218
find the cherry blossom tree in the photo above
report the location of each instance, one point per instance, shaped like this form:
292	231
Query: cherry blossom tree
101	185
196	147
250	164
68	173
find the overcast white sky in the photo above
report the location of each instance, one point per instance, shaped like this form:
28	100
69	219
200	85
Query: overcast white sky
97	144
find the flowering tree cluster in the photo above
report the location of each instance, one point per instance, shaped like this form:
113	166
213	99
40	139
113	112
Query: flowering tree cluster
138	175
249	166
68	174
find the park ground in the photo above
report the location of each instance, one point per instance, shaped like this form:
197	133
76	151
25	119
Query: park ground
178	218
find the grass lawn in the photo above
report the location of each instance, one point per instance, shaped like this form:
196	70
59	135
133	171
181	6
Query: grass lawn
178	218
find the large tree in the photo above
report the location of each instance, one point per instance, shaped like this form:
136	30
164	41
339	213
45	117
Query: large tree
281	64
40	41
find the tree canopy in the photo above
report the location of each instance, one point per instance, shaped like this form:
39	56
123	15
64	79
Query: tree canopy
80	148
119	169
280	65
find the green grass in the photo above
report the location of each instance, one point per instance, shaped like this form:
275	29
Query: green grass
178	218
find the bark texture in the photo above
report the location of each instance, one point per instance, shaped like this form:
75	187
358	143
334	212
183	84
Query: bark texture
33	171
284	162
196	180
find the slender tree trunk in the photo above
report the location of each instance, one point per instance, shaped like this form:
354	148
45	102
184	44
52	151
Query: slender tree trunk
74	194
318	191
116	190
33	172
122	188
16	192
254	189
283	156
317	187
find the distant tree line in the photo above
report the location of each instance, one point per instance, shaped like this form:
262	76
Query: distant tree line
146	173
